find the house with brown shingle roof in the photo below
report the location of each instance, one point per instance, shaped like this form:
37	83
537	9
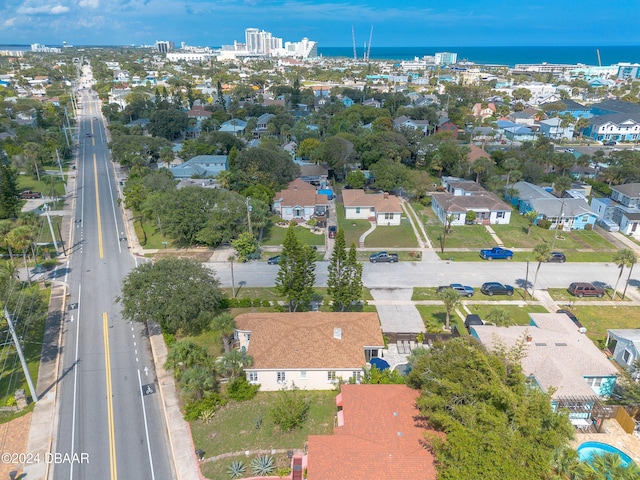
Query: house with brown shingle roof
311	350
475	153
382	208
379	433
300	201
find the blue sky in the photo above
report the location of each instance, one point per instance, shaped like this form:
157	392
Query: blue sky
396	23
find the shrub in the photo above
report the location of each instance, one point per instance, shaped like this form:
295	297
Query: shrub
257	302
425	201
11	401
543	223
193	410
236	469
588	226
245	303
169	338
263	465
224	303
291	409
240	389
266	303
206	416
233	303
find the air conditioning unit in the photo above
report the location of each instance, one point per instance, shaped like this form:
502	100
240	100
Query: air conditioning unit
582	330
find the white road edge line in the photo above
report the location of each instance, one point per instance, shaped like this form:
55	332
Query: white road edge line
75	385
146	427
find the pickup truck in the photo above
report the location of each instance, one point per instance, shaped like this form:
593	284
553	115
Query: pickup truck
497	253
28	194
463	290
383	257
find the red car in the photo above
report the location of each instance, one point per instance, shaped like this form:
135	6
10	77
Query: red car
332	231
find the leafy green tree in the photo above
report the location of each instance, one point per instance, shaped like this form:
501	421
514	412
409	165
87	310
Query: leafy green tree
231	364
356	179
482	401
169	124
344	284
390	175
172	292
481	166
375	376
196	381
20	239
296	276
290	409
246	245
262	165
541	253
451	299
623	258
240	390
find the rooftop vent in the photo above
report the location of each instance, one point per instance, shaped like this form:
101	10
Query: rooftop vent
541	344
561	344
337	333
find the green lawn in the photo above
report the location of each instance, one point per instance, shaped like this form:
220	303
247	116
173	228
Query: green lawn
403	256
434	318
520	315
150	237
270	293
48	185
274	235
233	428
353	229
401	236
429	293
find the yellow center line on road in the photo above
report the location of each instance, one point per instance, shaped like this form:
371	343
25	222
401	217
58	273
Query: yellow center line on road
95	176
107	361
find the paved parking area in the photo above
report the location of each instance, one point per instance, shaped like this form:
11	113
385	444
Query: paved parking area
396	311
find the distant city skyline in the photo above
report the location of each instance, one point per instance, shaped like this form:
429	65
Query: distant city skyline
415	23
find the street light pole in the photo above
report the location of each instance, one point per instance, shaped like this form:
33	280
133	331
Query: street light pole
249	208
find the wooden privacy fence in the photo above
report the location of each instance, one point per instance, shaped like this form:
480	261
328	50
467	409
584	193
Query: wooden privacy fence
624	419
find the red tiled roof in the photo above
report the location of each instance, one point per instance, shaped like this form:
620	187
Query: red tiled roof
382	438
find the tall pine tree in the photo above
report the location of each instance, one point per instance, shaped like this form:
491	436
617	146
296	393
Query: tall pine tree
345	275
297	275
9	203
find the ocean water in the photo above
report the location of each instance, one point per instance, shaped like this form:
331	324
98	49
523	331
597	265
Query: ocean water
609	55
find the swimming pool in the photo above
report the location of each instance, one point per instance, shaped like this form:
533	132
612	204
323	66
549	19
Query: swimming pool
588	450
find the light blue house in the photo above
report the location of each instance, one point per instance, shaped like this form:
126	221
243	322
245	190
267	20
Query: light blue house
558	357
523	193
201	166
564	213
624	345
234	126
553	129
347	102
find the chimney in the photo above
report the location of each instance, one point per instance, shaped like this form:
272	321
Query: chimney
337	333
386	195
529	338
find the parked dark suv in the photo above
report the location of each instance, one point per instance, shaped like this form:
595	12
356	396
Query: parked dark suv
584	289
495	288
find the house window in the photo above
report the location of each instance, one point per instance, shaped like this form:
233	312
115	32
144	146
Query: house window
357	376
281	378
372	209
331	376
626	356
500	215
303	375
357	210
388	216
594	382
253	377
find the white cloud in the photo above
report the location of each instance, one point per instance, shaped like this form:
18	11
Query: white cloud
89	3
9	22
43	10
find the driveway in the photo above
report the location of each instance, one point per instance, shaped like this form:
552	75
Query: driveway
396	311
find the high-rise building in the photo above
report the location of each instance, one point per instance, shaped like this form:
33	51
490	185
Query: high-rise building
259	42
446	58
163	46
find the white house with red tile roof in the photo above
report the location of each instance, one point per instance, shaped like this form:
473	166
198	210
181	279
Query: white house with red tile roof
379	434
481	112
382	208
300	201
311	350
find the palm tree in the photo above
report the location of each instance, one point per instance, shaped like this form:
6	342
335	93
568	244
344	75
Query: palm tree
631	262
623	258
225	325
541	253
5	227
232	363
451	300
561	184
581	124
510	164
531	216
21	238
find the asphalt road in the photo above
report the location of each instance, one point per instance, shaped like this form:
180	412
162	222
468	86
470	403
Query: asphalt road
432	274
102	409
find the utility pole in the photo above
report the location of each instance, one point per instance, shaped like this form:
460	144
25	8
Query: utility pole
34	395
53	235
555	235
249	208
61	172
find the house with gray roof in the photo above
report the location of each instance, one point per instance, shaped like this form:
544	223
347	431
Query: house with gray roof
262	124
564	213
623	207
617	127
624	345
558	358
520	194
462	196
235	126
201	166
553	129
